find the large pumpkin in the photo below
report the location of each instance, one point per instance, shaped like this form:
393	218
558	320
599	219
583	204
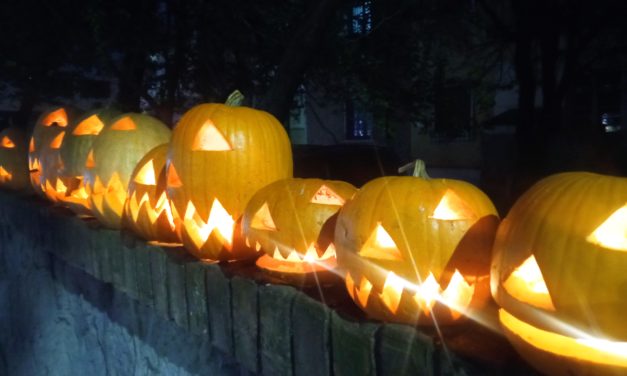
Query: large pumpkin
43	153
559	274
147	210
77	143
13	159
220	155
416	249
293	221
113	157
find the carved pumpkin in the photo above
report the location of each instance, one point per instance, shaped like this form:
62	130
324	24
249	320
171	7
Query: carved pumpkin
147	210
416	249
77	143
44	160
293	221
13	159
113	157
220	155
559	274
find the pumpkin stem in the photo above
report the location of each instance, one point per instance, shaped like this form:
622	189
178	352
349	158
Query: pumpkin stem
235	99
419	169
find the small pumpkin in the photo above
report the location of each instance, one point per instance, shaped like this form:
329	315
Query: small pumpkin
293	221
43	152
220	155
558	274
13	159
147	210
416	249
113	157
77	143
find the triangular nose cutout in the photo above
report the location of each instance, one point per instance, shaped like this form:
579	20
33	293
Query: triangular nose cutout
262	220
89	162
327	196
209	138
173	179
380	245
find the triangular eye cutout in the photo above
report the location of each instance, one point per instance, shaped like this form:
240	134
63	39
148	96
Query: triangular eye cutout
90	126
4	173
124	124
31	145
146	174
58	117
89	162
173	180
526	284
7	143
380	245
57	141
326	196
612	234
262	220
452	208
209	138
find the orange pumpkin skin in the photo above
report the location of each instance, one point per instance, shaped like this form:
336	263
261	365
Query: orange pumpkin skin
293	221
406	257
77	143
13	160
558	274
220	155
114	155
147	210
44	160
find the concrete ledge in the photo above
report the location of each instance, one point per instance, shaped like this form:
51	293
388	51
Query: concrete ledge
267	328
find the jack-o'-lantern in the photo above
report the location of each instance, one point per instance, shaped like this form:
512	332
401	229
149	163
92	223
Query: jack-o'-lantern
416	249
114	155
44	160
559	274
147	210
13	159
77	143
220	155
293	222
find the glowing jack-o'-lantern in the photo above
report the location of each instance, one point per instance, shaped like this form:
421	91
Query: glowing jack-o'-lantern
77	143
13	161
220	155
293	221
147	210
112	159
44	160
416	249
558	274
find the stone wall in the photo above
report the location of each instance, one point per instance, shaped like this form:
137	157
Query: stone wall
79	299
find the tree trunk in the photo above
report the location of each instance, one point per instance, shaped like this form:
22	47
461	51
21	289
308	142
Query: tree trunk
295	60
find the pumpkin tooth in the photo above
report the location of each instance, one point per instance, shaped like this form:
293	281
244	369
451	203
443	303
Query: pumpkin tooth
392	291
428	292
329	253
363	291
311	255
258	246
350	285
276	254
247	241
293	257
458	294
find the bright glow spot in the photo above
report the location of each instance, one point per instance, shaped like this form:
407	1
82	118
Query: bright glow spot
209	138
60	186
172	179
594	350
58	117
392	291
262	220
526	284
452	208
612	233
427	293
90	126
381	246
327	196
57	141
124	124
458	294
7	143
146	175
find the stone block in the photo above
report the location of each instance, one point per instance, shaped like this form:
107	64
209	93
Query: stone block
219	308
353	346
143	274
245	312
130	271
311	327
197	316
176	260
116	259
275	329
158	270
402	350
